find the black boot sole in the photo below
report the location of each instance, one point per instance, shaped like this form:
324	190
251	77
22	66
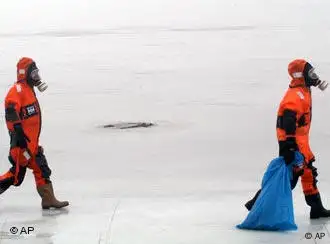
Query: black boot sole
317	216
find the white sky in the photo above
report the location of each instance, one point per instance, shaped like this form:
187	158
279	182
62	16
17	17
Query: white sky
40	15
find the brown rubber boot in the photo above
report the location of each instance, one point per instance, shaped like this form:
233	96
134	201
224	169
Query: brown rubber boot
46	192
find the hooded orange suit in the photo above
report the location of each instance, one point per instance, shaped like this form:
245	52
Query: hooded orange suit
298	100
22	103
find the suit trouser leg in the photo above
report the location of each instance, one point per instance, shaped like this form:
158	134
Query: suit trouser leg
14	176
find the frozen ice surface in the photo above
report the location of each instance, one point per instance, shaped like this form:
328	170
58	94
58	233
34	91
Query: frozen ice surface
209	73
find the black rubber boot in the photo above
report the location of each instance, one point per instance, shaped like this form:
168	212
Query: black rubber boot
250	203
317	209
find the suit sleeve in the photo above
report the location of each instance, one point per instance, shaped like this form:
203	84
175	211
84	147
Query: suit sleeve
292	111
12	108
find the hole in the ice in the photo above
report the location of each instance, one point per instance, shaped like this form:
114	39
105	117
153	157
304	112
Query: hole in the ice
129	125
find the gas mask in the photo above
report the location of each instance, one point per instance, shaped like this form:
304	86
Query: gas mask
34	78
312	79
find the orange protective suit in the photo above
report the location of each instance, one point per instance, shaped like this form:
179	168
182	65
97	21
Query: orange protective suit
298	100
293	126
22	108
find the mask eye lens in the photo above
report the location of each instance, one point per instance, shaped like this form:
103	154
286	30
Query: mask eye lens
35	75
313	75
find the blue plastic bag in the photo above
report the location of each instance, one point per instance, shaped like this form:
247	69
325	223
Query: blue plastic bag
273	209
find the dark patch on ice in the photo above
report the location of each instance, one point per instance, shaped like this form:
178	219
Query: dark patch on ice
129	125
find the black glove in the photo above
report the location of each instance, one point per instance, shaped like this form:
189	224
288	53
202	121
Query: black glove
20	137
287	149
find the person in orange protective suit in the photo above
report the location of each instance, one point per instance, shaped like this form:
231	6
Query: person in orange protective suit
23	119
293	126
